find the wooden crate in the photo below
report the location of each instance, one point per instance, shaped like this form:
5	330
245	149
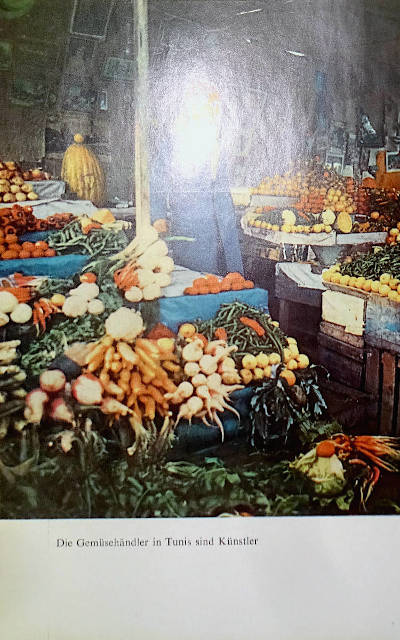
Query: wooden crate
346	363
338	332
383	382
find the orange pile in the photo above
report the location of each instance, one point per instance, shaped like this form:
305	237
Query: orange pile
11	249
212	284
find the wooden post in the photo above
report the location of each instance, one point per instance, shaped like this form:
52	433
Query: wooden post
142	183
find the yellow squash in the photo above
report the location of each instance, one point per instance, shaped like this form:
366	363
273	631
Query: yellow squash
82	171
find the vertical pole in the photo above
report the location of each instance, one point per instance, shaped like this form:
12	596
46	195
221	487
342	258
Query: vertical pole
142	186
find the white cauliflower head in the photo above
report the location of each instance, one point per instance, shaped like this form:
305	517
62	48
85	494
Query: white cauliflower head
124	324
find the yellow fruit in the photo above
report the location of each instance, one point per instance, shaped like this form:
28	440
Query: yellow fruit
286	228
352	282
275	323
336	267
360	282
344	280
335	278
258	373
267	372
393	295
394	232
367	285
289	376
262	360
326	276
249	361
384	290
302	361
291	364
257	223
58	299
293	349
81	169
291	340
385	278
287	355
375	286
246	375
187	330
393	283
327	228
275	227
264	225
274	358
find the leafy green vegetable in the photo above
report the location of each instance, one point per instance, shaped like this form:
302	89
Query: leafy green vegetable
50	286
92	480
283	416
52	343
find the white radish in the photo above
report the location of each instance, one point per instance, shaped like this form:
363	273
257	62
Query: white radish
193	351
208	364
214	382
191	369
199	380
185	389
219	423
213	345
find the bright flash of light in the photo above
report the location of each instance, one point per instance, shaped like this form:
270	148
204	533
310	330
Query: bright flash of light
196	131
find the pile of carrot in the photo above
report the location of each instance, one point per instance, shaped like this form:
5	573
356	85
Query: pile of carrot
11	249
23	294
126	277
212	284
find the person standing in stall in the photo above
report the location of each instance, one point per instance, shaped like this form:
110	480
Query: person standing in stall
189	189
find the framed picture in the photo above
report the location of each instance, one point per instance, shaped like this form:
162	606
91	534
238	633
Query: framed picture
90	18
103	101
78	57
29	89
119	69
77	97
392	161
334	161
5	55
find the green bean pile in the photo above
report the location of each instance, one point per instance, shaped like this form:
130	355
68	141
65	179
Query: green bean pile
373	265
97	242
245	338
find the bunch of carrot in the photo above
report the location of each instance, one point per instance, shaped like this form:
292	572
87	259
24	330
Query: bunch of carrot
23	294
212	284
126	277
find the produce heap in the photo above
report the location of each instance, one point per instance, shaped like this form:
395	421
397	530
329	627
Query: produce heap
103	378
326	202
377	271
13	185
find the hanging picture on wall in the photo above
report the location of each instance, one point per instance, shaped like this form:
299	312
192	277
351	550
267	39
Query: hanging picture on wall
29	89
90	18
5	55
77	97
119	69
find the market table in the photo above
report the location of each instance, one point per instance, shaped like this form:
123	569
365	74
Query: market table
50	206
46	189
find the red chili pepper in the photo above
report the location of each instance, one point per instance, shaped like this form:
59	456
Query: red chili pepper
221	334
253	324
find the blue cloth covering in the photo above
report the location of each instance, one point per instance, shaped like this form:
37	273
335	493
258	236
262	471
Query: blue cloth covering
57	267
199	436
175	311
